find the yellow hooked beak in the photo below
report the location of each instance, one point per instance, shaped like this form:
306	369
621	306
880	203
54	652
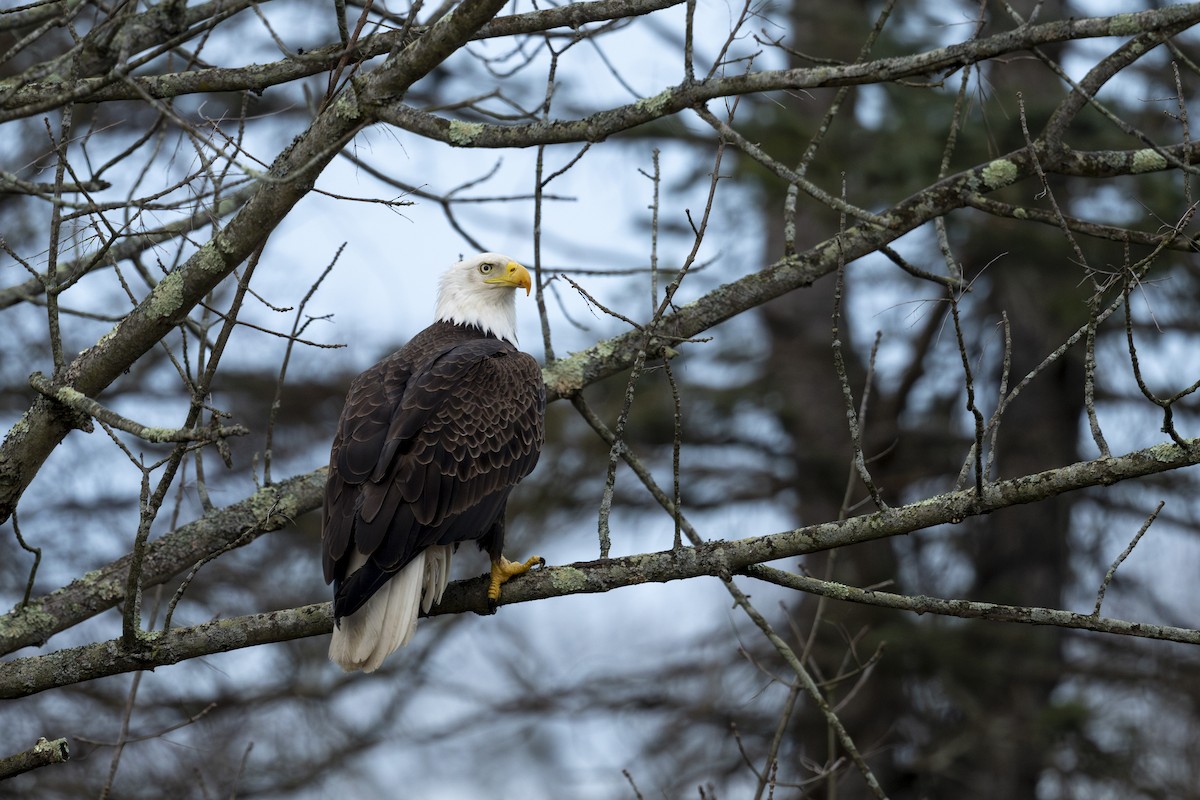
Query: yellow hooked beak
514	275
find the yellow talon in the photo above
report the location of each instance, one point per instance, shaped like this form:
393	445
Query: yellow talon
503	569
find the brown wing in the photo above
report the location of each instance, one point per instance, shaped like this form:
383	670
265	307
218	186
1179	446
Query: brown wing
427	459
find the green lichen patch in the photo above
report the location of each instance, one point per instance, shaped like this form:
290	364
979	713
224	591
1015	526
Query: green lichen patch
167	298
568	580
30	620
69	396
653	106
1124	25
346	106
158	435
566	376
463	134
106	338
1165	453
999	173
208	258
1148	161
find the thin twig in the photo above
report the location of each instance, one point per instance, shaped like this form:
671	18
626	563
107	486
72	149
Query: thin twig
810	687
771	766
247	536
655	208
636	793
969	380
676	448
1001	392
1112	570
297	329
52	289
1167	404
852	418
37	559
1089	377
122	735
617	445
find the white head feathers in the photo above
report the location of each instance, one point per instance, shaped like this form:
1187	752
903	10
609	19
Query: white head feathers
479	291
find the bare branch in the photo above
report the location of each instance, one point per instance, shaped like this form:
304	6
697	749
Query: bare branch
969	609
42	754
87	406
32	98
601	125
267	509
24	676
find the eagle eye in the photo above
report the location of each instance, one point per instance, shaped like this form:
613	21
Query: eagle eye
485	267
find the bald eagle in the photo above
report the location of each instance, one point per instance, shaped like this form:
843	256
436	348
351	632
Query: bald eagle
430	442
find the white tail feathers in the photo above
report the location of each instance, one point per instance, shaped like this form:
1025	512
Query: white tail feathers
387	620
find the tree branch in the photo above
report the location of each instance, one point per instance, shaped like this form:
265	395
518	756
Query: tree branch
25	676
268	509
257	77
689	94
87	406
970	609
42	754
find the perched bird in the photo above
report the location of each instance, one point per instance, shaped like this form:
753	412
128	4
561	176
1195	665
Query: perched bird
430	442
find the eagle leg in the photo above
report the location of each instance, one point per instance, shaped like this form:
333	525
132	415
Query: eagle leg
502	570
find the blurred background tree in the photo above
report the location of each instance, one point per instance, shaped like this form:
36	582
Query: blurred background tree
950	221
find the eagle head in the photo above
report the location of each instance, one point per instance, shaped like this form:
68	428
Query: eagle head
479	291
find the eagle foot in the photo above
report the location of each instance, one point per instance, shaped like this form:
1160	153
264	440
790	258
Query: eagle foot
502	570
